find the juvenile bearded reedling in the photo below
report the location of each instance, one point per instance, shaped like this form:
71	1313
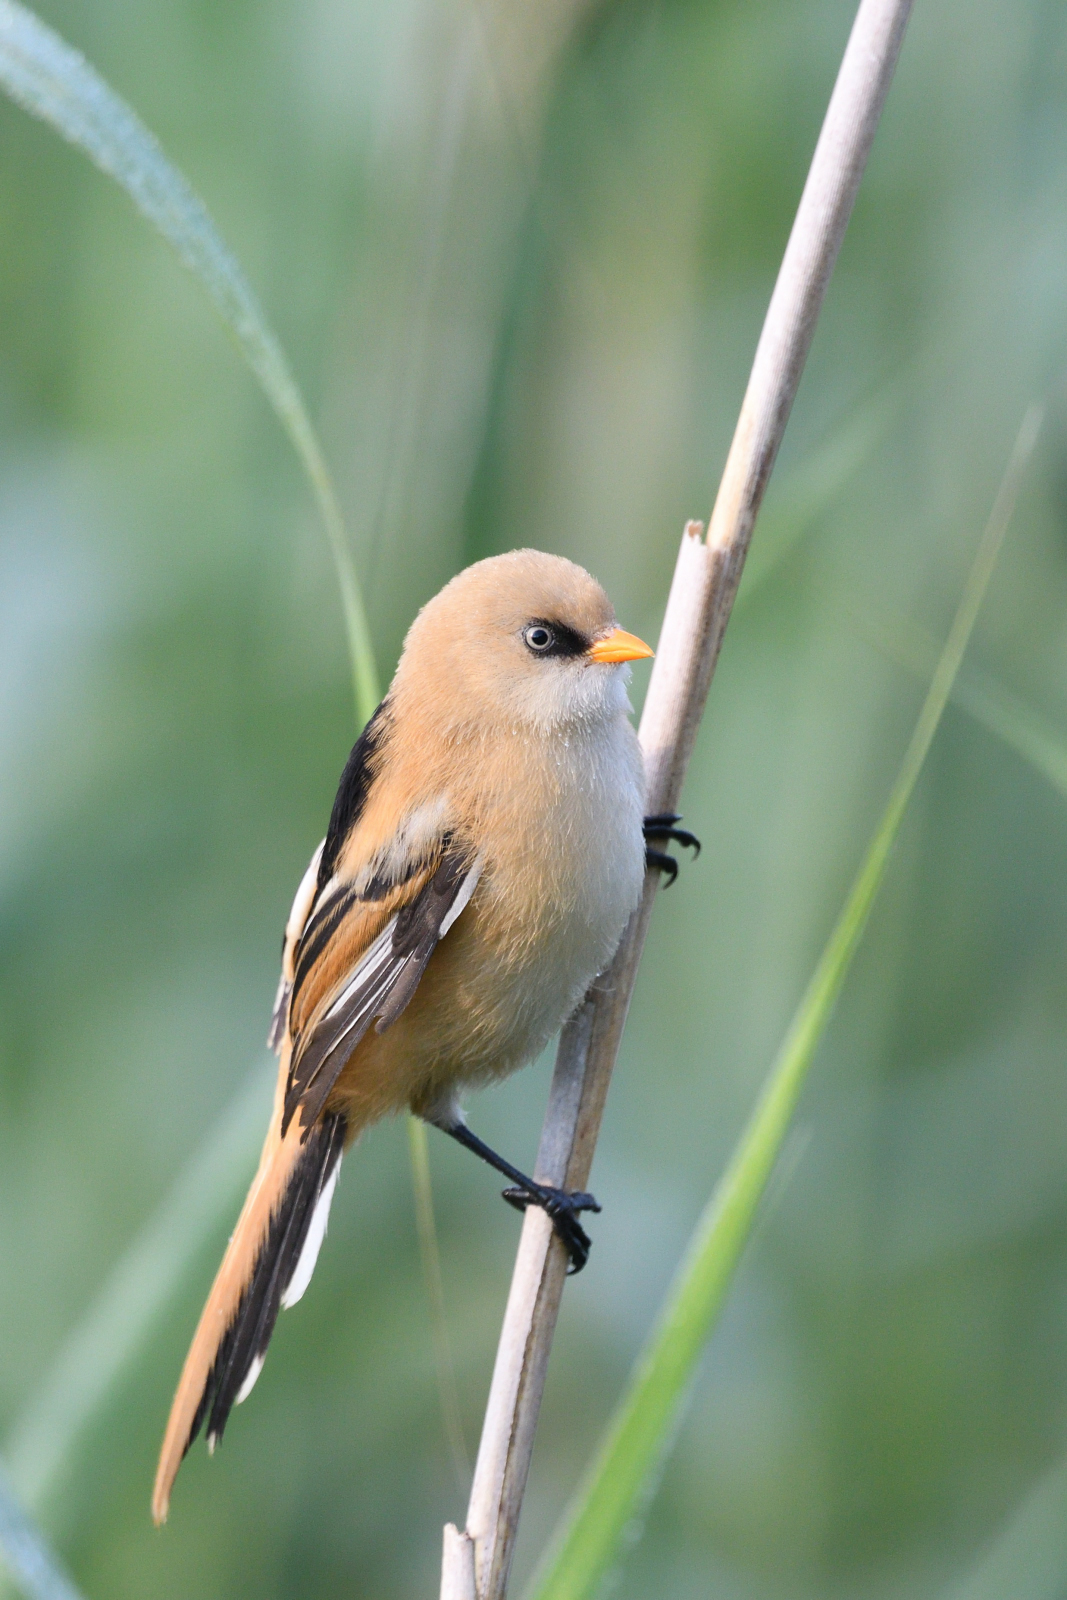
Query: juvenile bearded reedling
486	848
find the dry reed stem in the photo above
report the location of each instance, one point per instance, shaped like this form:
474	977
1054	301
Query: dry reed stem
477	1561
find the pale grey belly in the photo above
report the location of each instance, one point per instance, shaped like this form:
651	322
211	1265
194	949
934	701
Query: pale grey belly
537	988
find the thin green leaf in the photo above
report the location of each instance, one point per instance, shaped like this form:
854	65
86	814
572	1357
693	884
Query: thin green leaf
51	80
54	82
647	1417
33	1566
135	1293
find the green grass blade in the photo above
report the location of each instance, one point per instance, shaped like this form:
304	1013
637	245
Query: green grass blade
135	1294
51	80
26	1554
54	82
647	1417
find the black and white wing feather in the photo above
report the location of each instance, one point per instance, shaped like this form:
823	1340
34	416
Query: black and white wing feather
380	983
303	901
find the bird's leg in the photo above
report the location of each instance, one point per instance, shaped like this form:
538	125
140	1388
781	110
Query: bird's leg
662	826
562	1205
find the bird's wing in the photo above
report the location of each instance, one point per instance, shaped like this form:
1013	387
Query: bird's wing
360	959
362	927
357	779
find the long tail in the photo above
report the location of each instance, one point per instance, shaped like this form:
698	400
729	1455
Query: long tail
267	1266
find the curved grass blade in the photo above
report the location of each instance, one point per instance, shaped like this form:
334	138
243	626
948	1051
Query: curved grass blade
647	1417
27	1556
54	82
135	1293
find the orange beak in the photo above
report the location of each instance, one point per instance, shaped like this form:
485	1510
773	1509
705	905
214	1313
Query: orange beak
620	646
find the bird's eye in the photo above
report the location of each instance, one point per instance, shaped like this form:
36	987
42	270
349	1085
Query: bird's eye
538	638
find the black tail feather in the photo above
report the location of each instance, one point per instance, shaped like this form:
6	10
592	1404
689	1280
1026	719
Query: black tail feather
248	1335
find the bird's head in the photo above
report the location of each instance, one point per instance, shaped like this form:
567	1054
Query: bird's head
523	639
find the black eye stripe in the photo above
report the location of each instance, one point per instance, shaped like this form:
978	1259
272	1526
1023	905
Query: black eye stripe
564	641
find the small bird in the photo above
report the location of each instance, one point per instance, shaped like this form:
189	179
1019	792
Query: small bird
485	850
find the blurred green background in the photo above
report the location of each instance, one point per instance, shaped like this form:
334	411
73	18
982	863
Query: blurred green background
519	257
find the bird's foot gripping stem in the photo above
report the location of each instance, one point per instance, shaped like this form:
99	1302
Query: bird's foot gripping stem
663	826
563	1206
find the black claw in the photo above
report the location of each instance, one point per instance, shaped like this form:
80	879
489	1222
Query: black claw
661	827
665	863
682	836
562	1206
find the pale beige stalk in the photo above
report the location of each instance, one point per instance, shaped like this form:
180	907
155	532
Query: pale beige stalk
477	1561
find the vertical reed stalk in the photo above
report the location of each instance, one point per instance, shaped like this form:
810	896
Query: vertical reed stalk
477	1561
